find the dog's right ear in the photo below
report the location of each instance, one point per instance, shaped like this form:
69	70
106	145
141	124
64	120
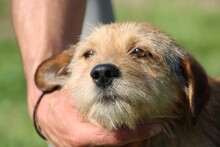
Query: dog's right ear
198	86
52	73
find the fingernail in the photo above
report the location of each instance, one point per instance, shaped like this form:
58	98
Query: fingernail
155	130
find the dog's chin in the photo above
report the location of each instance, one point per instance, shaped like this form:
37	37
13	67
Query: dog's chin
111	110
112	113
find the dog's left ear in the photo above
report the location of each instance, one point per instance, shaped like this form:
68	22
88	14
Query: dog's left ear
52	73
198	86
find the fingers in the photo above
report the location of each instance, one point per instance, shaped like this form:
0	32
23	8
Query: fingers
143	132
121	137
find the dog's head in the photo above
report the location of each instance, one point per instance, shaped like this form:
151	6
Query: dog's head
125	73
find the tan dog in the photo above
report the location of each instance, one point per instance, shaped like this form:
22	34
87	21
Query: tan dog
125	74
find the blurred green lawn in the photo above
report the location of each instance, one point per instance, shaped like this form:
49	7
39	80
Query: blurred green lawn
195	24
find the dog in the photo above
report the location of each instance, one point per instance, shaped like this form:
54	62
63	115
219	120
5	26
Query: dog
125	74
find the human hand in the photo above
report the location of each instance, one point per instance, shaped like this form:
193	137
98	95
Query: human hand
63	127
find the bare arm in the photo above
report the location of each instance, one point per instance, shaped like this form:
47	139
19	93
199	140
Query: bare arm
43	29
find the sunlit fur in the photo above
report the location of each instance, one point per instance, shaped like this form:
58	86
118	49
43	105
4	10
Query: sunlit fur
157	88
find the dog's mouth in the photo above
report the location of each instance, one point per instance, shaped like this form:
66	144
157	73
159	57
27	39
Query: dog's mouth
109	98
107	95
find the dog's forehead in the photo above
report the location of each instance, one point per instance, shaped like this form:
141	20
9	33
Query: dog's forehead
121	34
118	30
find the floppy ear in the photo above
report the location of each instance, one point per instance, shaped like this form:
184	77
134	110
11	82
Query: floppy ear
198	87
52	73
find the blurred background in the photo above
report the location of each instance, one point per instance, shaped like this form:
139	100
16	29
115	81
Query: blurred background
195	24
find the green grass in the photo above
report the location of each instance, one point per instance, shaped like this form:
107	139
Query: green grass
194	24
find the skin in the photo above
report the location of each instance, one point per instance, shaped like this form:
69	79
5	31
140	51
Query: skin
43	29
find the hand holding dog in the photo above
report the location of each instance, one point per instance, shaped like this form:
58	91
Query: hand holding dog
62	126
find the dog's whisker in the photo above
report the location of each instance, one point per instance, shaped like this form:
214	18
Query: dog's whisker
167	130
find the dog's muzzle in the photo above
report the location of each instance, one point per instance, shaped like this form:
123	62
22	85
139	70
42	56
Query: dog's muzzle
103	74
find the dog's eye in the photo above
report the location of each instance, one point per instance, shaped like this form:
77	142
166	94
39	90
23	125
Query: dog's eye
88	54
139	53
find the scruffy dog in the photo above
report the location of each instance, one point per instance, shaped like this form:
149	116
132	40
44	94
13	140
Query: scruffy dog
125	74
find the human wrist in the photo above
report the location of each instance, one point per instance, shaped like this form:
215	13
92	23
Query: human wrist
33	92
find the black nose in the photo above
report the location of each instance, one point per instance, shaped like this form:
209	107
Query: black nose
103	74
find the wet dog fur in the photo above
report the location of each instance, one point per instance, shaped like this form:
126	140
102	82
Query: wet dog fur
158	81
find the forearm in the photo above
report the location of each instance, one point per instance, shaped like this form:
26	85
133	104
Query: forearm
44	28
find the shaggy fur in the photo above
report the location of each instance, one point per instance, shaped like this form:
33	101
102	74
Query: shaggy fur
160	83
